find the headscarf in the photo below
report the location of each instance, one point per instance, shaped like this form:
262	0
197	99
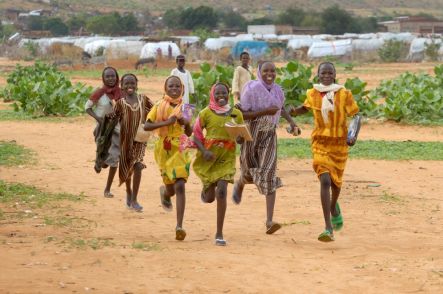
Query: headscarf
162	110
258	95
213	104
114	93
327	103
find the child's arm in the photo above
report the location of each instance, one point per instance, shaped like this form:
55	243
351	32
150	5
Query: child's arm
207	155
294	111
188	128
240	140
254	114
150	126
88	109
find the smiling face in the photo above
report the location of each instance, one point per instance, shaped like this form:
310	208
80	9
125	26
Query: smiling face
221	95
268	72
245	60
180	61
109	77
129	84
326	74
173	87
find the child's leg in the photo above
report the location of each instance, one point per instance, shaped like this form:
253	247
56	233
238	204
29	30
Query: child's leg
112	171
128	192
325	194
221	192
136	185
179	187
237	192
208	196
271	226
335	194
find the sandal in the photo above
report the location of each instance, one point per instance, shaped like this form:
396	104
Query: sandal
272	228
108	194
326	236
137	207
180	234
166	203
337	221
220	242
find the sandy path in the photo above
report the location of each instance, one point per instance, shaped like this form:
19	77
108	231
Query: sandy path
390	242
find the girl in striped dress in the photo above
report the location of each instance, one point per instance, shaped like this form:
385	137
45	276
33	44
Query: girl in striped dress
331	104
130	110
173	161
215	161
262	103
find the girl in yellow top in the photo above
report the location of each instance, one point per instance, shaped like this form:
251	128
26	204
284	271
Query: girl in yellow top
331	104
174	163
215	161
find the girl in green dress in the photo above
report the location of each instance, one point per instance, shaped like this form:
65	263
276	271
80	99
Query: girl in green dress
215	161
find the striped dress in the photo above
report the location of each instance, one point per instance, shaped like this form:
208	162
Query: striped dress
329	148
258	158
131	152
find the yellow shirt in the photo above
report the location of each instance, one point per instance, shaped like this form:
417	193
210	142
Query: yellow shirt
175	130
241	77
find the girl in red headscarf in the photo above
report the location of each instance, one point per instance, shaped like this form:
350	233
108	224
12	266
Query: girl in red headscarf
215	161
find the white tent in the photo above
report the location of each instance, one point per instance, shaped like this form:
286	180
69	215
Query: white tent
330	48
121	49
218	43
367	44
298	43
152	49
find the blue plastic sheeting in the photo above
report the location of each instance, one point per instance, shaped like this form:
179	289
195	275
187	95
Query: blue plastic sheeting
255	48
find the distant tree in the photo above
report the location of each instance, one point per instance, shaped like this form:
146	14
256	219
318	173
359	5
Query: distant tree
232	19
104	24
56	26
129	23
36	23
261	21
172	17
200	17
204	34
291	16
311	20
367	24
336	21
76	22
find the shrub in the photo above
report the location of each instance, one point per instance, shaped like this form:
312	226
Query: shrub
392	51
41	90
431	50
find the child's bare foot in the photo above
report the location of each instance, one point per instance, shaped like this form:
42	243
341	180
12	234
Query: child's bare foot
137	207
272	227
128	200
165	200
237	193
108	194
180	234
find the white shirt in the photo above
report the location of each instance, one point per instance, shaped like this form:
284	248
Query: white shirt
187	81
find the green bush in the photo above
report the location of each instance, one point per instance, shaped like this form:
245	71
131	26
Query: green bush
368	107
392	51
295	79
431	50
416	98
41	90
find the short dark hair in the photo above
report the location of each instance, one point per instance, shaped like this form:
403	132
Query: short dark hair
127	75
244	53
324	63
181	56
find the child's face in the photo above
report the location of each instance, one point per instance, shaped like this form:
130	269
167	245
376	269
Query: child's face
129	85
245	59
268	72
221	95
181	62
173	88
109	77
326	74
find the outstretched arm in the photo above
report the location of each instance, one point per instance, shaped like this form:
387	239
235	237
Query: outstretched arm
293	128
294	111
207	155
150	126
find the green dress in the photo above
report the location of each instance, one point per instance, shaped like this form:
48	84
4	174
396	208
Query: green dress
220	144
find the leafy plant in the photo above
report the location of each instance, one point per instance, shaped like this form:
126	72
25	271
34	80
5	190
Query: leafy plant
366	104
204	80
412	97
41	90
295	79
392	51
431	50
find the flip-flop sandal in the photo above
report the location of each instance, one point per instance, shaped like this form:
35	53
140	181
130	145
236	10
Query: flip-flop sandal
220	242
180	234
167	205
108	194
274	227
137	207
326	236
337	221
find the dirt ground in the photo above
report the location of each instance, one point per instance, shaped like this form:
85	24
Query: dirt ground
391	241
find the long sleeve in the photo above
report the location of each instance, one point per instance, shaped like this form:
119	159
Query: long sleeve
190	83
236	82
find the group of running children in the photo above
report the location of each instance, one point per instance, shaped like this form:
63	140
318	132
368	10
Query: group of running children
261	104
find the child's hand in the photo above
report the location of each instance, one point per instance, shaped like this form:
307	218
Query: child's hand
240	140
208	155
99	120
294	130
182	121
172	120
272	110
